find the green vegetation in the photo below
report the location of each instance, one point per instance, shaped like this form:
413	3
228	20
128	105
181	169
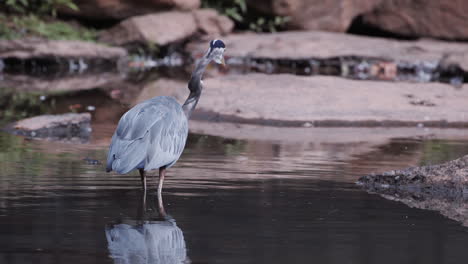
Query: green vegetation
246	18
13	27
38	7
440	151
17	105
36	18
272	25
235	9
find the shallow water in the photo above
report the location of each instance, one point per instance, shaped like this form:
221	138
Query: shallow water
227	200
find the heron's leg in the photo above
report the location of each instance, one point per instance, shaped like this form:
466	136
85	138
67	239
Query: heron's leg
144	200
162	174
143	178
142	209
161	210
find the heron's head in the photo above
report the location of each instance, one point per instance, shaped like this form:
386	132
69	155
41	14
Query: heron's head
216	51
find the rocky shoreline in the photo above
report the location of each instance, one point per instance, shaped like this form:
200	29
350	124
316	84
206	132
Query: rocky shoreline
442	188
445	180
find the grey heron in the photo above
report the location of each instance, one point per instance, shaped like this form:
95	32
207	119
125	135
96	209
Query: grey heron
152	134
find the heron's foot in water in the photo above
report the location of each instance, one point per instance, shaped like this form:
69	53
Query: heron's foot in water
161	210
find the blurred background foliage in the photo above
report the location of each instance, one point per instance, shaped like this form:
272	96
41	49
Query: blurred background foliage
16	105
439	151
246	18
38	7
37	18
13	27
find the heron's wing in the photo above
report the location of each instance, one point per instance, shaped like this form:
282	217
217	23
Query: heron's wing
167	140
136	122
144	129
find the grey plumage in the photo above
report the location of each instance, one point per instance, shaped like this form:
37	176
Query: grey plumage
151	238
147	242
152	134
149	136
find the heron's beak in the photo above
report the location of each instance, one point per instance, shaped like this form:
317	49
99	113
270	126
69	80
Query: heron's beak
223	62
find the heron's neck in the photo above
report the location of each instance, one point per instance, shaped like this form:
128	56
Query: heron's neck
195	86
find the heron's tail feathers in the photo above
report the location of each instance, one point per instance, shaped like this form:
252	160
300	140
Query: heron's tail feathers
110	160
126	155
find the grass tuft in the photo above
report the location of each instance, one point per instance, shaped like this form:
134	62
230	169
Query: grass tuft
13	27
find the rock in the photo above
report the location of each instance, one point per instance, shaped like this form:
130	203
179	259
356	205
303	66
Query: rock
163	87
160	28
40	48
66	126
211	23
72	82
431	18
328	15
122	9
442	187
167	27
305	45
291	100
452	176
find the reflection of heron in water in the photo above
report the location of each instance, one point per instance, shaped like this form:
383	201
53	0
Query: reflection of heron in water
149	239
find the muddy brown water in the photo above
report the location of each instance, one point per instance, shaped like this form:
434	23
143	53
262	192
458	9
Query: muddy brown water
227	201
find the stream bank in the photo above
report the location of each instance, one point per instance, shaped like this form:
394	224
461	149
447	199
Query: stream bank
443	187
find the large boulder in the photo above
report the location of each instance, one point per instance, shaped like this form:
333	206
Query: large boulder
431	18
211	23
286	99
122	9
329	15
160	28
167	27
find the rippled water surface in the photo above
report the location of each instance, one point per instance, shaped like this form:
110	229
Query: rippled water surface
227	201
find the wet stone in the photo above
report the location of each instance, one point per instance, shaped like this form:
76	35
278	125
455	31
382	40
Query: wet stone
438	187
70	126
346	55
